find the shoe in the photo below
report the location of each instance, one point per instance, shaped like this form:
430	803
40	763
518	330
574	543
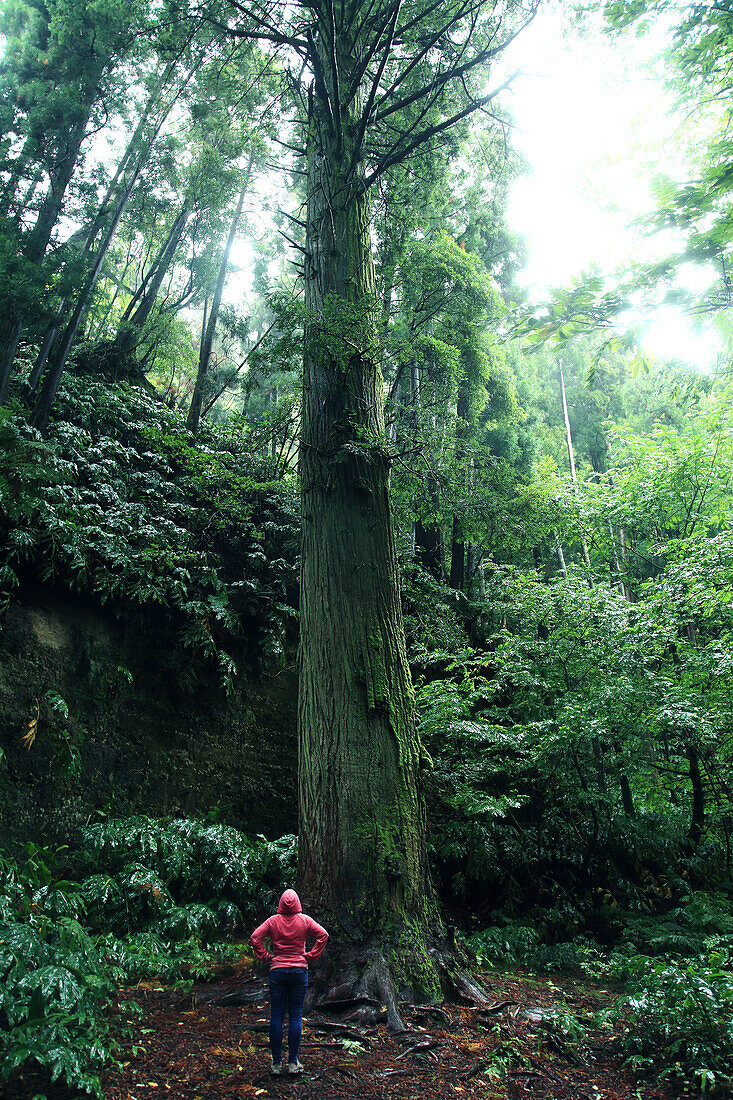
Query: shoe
295	1067
276	1069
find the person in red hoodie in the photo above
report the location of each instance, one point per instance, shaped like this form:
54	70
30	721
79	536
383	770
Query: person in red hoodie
288	932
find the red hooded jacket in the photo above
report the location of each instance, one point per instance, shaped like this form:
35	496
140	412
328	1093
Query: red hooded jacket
287	933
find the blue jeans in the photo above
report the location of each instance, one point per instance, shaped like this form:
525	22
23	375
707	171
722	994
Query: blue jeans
287	991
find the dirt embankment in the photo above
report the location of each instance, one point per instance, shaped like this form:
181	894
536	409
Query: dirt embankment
118	717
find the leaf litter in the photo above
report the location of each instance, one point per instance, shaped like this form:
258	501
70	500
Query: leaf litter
210	1041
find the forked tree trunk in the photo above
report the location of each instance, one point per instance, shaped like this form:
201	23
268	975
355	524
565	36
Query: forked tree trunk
141	306
362	845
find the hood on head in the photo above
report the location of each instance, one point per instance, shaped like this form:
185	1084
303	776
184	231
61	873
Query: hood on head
289	904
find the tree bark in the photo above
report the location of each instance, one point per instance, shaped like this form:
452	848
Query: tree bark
362	846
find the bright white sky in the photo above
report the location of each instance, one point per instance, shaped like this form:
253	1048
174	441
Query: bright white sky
595	128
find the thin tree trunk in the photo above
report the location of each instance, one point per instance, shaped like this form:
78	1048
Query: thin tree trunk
8	348
620	559
55	370
53	378
45	349
598	761
427	537
560	554
458	545
474	571
140	308
627	797
37	242
571	457
697	822
209	329
429	551
273	441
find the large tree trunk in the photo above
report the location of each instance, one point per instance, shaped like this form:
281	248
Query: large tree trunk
362	848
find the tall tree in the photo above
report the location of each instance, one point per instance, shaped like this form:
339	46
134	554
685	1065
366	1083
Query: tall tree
210	320
384	79
64	59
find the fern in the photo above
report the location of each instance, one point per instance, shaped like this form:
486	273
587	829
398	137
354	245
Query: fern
154	899
680	1018
119	504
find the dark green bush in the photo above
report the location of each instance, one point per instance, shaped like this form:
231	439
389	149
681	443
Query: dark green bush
119	503
680	1018
153	899
179	877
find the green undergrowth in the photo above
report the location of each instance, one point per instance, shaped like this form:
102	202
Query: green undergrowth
141	899
121	504
673	976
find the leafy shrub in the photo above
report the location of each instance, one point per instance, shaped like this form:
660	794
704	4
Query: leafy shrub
180	877
512	943
151	901
681	1019
119	503
52	984
470	795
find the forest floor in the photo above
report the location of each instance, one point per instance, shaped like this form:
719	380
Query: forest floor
210	1041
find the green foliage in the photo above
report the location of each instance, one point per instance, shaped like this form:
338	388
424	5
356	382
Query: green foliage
181	877
52	981
153	899
122	506
506	944
471	796
681	1019
674	968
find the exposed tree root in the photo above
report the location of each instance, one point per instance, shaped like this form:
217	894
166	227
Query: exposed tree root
363	986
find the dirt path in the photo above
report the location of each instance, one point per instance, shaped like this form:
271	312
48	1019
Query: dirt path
199	1045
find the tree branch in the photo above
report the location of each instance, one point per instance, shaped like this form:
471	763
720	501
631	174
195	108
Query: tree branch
369	106
397	155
